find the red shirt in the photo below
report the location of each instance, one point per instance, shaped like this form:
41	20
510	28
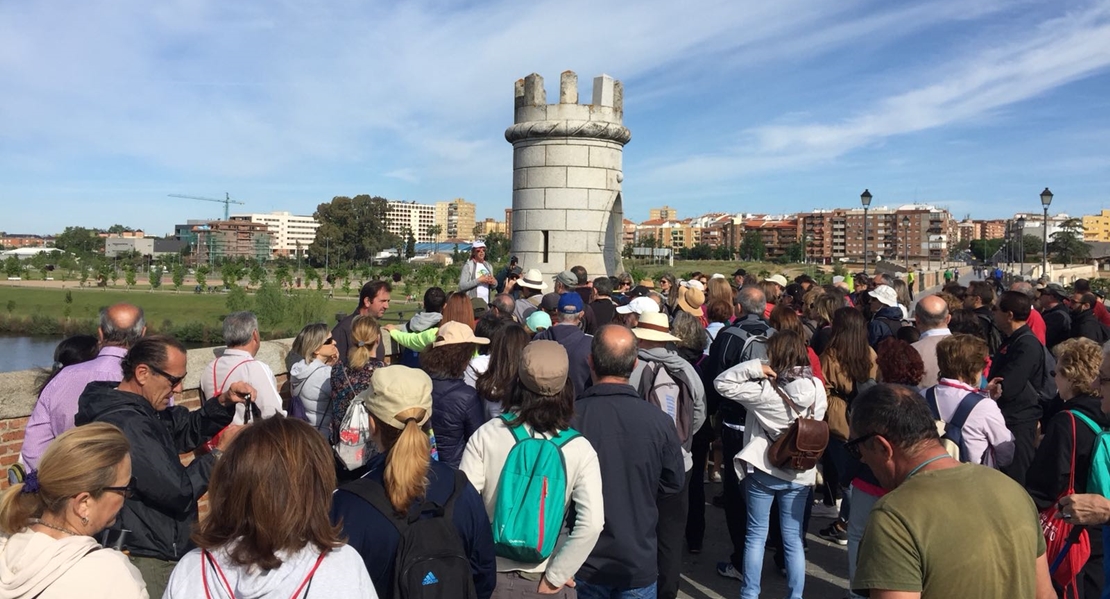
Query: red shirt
1101	313
1036	324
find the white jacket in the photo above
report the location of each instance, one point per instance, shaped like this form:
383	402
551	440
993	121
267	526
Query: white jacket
33	564
483	460
311	383
768	415
341	574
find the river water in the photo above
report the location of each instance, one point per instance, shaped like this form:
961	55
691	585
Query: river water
23	353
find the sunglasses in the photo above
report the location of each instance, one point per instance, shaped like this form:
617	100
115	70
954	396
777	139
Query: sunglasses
852	446
128	492
174	380
330	341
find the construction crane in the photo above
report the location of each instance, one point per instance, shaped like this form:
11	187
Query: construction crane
227	201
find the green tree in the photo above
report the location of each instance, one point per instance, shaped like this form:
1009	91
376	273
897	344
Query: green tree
83	277
498	247
79	241
13	267
700	251
117	229
202	276
270	305
434	232
257	274
155	276
129	276
751	247
356	230
230	273
282	275
984	249
237	300
1067	244
178	276
793	253
410	245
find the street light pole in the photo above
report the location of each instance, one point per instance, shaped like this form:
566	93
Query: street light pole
906	243
327	256
865	198
1021	248
1046	199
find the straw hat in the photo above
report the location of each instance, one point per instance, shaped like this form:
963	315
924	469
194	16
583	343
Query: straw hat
691	300
654	327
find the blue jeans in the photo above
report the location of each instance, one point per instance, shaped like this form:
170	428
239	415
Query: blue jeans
857	521
761	489
598	591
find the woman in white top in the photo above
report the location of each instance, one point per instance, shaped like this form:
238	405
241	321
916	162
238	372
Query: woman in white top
310	378
541	401
47	550
268	533
757	387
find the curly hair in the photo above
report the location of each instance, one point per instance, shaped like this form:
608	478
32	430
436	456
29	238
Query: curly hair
1078	361
447	361
899	362
689	330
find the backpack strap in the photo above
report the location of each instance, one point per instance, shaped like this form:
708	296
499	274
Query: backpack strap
931	400
967	404
1090	423
564	437
373	492
460	484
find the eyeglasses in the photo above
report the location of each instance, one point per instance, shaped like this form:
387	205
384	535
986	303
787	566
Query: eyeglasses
174	380
852	446
128	492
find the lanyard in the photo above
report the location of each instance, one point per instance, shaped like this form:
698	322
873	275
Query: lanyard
216	566
923	464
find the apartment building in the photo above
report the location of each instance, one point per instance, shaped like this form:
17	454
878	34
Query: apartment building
290	234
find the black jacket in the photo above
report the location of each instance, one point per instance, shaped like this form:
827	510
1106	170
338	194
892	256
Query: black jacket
577	345
640	458
1020	363
605	311
1048	474
456	413
724	353
161	514
1057	325
1084	324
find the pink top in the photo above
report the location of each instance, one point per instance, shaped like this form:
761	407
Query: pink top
988	440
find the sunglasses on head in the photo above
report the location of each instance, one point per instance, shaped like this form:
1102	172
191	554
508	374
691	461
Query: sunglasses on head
174	380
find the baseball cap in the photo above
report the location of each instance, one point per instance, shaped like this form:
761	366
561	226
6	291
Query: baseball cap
1057	290
450	333
538	321
885	294
550	301
570	303
543	367
740	272
477	245
479	305
639	305
567	278
694	284
398	389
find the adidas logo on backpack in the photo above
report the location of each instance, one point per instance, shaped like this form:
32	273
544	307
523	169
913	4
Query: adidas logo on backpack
430	578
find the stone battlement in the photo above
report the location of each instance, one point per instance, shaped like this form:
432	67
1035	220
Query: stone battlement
602	119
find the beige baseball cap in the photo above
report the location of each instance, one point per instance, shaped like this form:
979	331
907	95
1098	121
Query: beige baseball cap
397	389
456	332
543	367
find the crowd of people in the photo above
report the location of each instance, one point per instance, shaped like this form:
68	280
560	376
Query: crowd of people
555	437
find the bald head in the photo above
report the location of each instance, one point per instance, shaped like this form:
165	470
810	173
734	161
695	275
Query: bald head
121	325
930	313
613	354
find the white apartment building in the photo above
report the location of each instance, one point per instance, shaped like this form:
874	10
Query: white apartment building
289	234
410	216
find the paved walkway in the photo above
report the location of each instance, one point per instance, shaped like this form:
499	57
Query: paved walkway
826	567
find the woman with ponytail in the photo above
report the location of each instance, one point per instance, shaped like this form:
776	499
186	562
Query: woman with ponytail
352	376
402	478
47	550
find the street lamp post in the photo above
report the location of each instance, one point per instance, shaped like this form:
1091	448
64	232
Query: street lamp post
906	243
1021	248
865	198
1046	200
327	256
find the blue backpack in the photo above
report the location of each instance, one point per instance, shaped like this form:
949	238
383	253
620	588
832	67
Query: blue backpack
953	436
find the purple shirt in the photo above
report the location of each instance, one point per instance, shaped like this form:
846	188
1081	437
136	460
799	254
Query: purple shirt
57	405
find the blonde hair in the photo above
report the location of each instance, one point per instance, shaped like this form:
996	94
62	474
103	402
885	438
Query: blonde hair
771	291
719	289
310	339
408	454
84	459
1078	361
366	333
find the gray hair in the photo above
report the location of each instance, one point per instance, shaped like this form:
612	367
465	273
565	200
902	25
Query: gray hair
751	300
688	329
569	318
239	327
1023	287
117	332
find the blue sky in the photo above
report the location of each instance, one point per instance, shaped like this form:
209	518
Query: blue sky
976	105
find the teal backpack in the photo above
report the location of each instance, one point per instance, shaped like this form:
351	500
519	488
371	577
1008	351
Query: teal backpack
531	495
1098	480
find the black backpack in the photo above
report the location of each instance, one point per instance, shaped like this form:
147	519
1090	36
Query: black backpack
993	334
431	561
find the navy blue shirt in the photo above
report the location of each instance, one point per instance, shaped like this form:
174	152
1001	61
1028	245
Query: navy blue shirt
375	538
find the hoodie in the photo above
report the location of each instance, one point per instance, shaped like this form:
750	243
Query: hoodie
422	321
163	510
33	564
684	373
310	382
340	574
885	323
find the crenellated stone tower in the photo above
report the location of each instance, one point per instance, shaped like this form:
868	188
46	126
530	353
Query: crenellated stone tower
567	176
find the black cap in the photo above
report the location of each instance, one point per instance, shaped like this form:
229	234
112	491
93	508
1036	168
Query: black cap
740	272
638	291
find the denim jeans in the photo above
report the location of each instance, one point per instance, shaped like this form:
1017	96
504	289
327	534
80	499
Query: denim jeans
857	521
761	489
598	591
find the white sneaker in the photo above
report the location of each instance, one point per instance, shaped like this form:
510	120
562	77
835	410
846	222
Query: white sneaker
715	477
